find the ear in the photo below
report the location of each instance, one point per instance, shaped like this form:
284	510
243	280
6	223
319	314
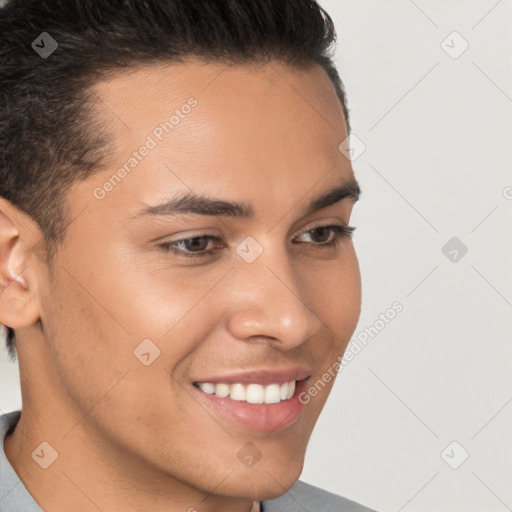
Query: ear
19	301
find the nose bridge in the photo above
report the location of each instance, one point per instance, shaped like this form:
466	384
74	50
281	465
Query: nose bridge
270	302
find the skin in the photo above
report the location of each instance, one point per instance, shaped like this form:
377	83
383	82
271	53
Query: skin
130	436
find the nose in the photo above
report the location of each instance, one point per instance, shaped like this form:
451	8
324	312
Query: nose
270	302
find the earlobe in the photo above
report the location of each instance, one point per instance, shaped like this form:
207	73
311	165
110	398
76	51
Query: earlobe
15	277
19	304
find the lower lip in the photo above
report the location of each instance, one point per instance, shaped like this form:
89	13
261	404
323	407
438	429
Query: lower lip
263	417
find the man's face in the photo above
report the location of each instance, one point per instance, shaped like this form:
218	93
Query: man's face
130	326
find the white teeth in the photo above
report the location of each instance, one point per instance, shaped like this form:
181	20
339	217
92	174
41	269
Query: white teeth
207	387
291	389
272	394
251	393
237	392
284	391
255	394
222	390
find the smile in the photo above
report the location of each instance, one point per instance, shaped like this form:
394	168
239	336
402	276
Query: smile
255	400
252	393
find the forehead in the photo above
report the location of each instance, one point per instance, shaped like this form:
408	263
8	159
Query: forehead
248	101
214	127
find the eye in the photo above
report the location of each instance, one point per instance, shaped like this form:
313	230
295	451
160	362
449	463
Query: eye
193	247
196	247
334	234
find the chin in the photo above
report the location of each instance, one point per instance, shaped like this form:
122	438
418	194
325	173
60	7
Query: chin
265	482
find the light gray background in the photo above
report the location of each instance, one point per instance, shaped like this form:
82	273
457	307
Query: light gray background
437	165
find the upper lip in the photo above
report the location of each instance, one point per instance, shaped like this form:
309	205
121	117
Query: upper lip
260	376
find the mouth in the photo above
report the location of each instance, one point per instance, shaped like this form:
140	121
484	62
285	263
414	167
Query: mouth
252	393
256	400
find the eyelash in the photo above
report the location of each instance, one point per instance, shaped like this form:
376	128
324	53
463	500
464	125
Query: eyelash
340	233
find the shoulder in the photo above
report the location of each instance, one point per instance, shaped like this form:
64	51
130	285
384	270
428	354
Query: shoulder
13	494
309	498
8	421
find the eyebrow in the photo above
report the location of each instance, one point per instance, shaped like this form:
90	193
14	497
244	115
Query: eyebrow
206	205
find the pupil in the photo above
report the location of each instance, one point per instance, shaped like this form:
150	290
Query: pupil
323	231
193	243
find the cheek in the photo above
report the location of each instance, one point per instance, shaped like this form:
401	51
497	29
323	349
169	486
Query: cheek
102	322
337	294
349	298
336	300
88	348
96	368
